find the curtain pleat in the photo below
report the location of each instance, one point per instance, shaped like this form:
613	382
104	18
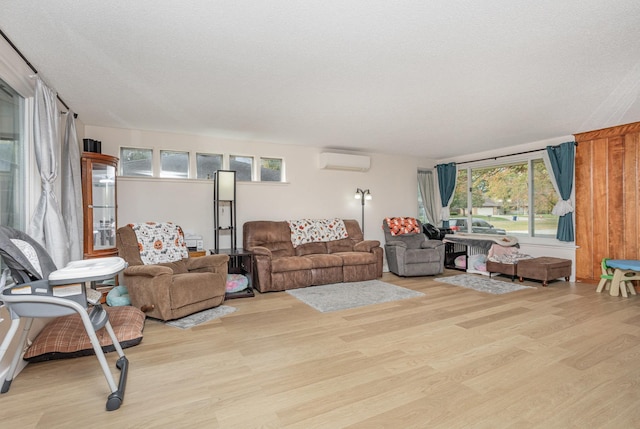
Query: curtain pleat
426	187
71	194
562	159
446	186
47	226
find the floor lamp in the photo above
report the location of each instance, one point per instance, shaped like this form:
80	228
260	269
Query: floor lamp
363	196
224	195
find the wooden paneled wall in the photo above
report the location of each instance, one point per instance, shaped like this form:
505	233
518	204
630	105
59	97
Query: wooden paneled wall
607	197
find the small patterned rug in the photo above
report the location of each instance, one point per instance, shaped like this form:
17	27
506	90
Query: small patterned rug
482	284
203	316
341	296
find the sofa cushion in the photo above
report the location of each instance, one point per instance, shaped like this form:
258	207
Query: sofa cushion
420	256
178	267
344	245
290	263
311	249
325	261
280	249
357	258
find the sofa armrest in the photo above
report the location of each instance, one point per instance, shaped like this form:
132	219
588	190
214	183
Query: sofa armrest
209	263
147	270
261	251
431	244
149	288
366	245
396	243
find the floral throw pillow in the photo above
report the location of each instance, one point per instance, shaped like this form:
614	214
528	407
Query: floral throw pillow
403	225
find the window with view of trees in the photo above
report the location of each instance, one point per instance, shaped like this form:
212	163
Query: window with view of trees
271	169
514	198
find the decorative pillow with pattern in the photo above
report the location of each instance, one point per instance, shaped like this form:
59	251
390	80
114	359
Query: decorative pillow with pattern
316	230
403	225
160	242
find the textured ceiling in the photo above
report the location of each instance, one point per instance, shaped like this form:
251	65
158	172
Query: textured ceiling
430	78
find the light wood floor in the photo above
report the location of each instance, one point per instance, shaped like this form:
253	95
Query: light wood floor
556	357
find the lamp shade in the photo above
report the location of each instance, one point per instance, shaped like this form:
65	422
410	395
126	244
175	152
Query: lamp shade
225	185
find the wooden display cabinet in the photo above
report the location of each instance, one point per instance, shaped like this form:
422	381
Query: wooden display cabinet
99	199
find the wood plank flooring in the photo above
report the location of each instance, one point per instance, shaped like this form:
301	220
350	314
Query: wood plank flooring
562	356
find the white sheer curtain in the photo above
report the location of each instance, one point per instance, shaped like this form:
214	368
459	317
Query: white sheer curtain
71	194
427	188
47	225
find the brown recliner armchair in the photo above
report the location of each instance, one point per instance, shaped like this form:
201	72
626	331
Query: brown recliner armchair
177	286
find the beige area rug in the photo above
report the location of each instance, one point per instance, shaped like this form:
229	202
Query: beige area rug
342	296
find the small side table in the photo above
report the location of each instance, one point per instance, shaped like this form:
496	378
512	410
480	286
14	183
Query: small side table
240	262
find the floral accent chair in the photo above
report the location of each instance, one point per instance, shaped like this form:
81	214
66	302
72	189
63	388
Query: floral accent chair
161	278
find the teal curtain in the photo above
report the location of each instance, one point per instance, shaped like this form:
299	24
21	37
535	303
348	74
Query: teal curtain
446	185
562	158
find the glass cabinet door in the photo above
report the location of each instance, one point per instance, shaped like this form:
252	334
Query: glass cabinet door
100	203
103	184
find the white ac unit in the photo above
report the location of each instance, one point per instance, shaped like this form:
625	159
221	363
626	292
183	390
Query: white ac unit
344	161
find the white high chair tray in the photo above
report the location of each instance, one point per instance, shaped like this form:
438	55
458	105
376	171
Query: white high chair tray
89	270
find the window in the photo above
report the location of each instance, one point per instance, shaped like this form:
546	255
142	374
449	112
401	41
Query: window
12	159
271	169
243	166
136	162
512	198
207	164
174	164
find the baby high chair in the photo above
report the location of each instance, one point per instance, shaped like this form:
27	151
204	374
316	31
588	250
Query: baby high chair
42	291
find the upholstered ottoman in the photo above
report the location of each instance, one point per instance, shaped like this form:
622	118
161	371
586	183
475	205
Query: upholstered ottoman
498	267
545	268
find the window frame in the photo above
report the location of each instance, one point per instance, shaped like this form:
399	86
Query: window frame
121	164
166	174
251	171
260	167
527	158
21	159
209	175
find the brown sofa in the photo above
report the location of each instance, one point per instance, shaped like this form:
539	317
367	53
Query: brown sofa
281	266
171	290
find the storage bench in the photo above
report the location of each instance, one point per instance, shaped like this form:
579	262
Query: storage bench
498	267
544	268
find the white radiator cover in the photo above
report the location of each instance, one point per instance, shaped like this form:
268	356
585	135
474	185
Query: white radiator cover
344	161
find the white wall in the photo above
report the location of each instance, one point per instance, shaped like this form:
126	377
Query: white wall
309	191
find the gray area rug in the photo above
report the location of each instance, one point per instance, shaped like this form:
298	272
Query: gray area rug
482	284
341	296
203	316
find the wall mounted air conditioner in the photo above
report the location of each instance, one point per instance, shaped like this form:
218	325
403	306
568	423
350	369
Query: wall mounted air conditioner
343	161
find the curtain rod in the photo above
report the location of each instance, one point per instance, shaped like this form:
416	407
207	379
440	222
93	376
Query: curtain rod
15	48
504	156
